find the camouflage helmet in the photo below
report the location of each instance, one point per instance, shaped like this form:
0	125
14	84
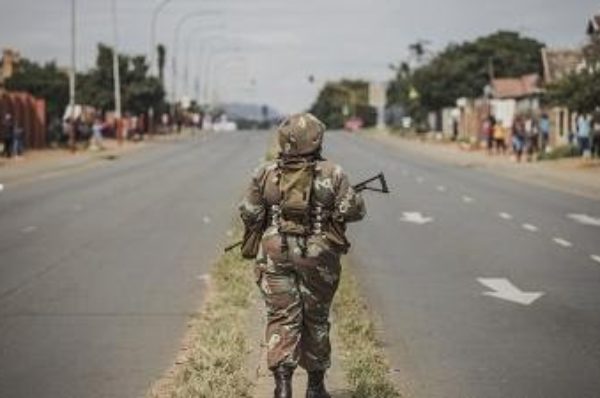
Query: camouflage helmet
300	135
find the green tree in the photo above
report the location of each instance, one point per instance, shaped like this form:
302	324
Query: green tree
337	101
462	70
45	81
139	91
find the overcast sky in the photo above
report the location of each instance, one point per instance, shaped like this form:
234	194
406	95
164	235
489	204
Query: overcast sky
268	48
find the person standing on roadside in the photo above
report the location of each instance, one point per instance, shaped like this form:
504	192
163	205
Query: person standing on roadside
583	134
97	139
595	147
297	208
531	137
8	129
488	132
499	134
518	137
17	140
544	127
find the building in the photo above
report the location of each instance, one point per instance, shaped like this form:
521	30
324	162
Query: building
9	59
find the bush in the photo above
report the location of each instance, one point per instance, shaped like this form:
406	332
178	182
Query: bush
563	151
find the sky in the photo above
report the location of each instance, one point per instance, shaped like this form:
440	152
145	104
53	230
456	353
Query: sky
263	51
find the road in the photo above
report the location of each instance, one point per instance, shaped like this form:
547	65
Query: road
101	268
449	234
483	286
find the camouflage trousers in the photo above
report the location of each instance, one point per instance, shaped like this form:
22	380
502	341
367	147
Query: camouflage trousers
298	287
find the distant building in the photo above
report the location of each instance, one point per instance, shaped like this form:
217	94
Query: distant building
9	59
559	63
515	95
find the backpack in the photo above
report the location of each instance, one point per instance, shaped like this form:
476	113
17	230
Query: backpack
295	187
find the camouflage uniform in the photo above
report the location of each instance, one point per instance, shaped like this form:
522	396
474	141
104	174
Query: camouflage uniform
298	283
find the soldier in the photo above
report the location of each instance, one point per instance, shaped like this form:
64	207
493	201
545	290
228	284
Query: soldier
297	208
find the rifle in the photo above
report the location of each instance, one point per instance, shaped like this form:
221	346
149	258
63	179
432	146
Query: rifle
361	186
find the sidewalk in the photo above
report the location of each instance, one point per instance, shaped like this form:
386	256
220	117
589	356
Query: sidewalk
46	163
262	377
572	175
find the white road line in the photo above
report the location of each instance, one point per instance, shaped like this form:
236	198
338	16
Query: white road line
595	257
505	216
562	242
1	187
529	227
585	219
468	199
441	188
29	229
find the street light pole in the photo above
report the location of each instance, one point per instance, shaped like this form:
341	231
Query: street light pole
188	42
175	54
72	71
153	23
116	73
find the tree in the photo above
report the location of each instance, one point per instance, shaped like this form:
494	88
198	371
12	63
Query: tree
138	90
462	70
339	100
45	81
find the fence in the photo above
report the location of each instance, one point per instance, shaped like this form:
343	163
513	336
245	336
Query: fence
29	113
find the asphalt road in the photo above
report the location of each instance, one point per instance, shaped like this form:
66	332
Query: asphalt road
428	252
100	268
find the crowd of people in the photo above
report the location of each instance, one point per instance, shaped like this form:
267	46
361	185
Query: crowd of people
530	135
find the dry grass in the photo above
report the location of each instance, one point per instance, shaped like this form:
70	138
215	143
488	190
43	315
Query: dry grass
363	361
213	365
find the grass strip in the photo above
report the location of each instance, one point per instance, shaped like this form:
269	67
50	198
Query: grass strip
217	344
364	363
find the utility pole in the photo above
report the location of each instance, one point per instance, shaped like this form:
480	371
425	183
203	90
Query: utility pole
153	23
72	72
73	55
116	73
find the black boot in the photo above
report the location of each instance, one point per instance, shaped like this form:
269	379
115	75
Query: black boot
316	385
283	382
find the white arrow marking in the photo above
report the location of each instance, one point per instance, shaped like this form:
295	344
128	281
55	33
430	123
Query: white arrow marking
467	199
585	219
529	227
505	216
562	242
415	218
505	290
595	257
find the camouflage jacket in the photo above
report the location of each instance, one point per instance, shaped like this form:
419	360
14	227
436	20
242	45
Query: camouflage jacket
331	191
